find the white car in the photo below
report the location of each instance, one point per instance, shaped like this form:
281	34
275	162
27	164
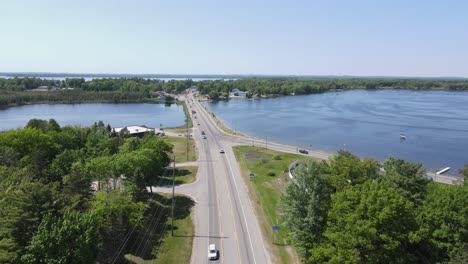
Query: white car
212	252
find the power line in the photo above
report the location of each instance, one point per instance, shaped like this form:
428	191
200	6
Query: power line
132	230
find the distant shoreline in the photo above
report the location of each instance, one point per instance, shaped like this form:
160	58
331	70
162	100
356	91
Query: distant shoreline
215	76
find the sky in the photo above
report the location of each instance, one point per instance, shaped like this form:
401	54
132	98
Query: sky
420	38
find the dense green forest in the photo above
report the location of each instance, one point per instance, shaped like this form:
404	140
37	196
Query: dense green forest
287	86
348	211
18	91
78	195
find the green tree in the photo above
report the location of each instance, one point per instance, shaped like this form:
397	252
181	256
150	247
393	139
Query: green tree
35	148
62	163
346	169
37	124
443	220
408	177
214	95
368	223
304	207
76	187
458	255
116	213
52	125
64	240
23	205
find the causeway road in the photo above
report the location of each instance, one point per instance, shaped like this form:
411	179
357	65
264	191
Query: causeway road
223	214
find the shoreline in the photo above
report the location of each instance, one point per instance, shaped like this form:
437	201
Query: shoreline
445	178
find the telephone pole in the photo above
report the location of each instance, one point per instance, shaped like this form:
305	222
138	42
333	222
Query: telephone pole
173	200
187	149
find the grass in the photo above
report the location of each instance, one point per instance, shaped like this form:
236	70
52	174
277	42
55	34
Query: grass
167	248
181	130
271	176
180	146
184	175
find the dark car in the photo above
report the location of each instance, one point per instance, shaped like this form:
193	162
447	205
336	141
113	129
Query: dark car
303	151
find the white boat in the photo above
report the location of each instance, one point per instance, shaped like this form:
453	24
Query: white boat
402	136
443	171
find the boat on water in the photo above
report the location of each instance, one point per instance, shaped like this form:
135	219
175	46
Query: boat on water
443	170
402	136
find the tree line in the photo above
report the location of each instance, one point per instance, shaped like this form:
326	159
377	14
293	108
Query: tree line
289	86
348	211
18	91
72	194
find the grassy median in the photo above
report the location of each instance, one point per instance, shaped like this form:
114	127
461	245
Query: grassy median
271	176
180	148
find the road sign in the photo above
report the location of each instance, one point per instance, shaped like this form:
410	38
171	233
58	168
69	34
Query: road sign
276	228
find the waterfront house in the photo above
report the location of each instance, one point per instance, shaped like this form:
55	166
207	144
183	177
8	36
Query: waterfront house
236	93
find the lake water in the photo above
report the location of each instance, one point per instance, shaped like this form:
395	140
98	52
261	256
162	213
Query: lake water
368	123
117	115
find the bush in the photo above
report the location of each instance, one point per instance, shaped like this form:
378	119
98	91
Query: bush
271	173
277	157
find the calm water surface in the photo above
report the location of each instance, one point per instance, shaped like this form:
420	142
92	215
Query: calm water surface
368	123
117	115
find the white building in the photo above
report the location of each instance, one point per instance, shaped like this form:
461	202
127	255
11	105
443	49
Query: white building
238	93
138	131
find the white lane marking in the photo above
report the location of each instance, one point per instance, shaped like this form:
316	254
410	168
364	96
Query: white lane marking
242	208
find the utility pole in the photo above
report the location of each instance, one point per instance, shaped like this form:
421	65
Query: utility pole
187	150
173	200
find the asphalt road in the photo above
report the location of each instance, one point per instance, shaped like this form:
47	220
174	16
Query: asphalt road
223	214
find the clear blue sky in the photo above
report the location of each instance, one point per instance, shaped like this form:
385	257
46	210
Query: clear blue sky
349	37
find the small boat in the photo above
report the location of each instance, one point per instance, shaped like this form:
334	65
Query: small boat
402	136
443	171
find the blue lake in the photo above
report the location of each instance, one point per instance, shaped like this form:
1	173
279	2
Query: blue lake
117	115
368	123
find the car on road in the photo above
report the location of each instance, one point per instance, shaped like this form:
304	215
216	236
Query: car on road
212	252
203	132
221	151
204	137
303	151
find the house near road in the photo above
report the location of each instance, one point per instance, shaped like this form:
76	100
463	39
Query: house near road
45	88
135	131
236	93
